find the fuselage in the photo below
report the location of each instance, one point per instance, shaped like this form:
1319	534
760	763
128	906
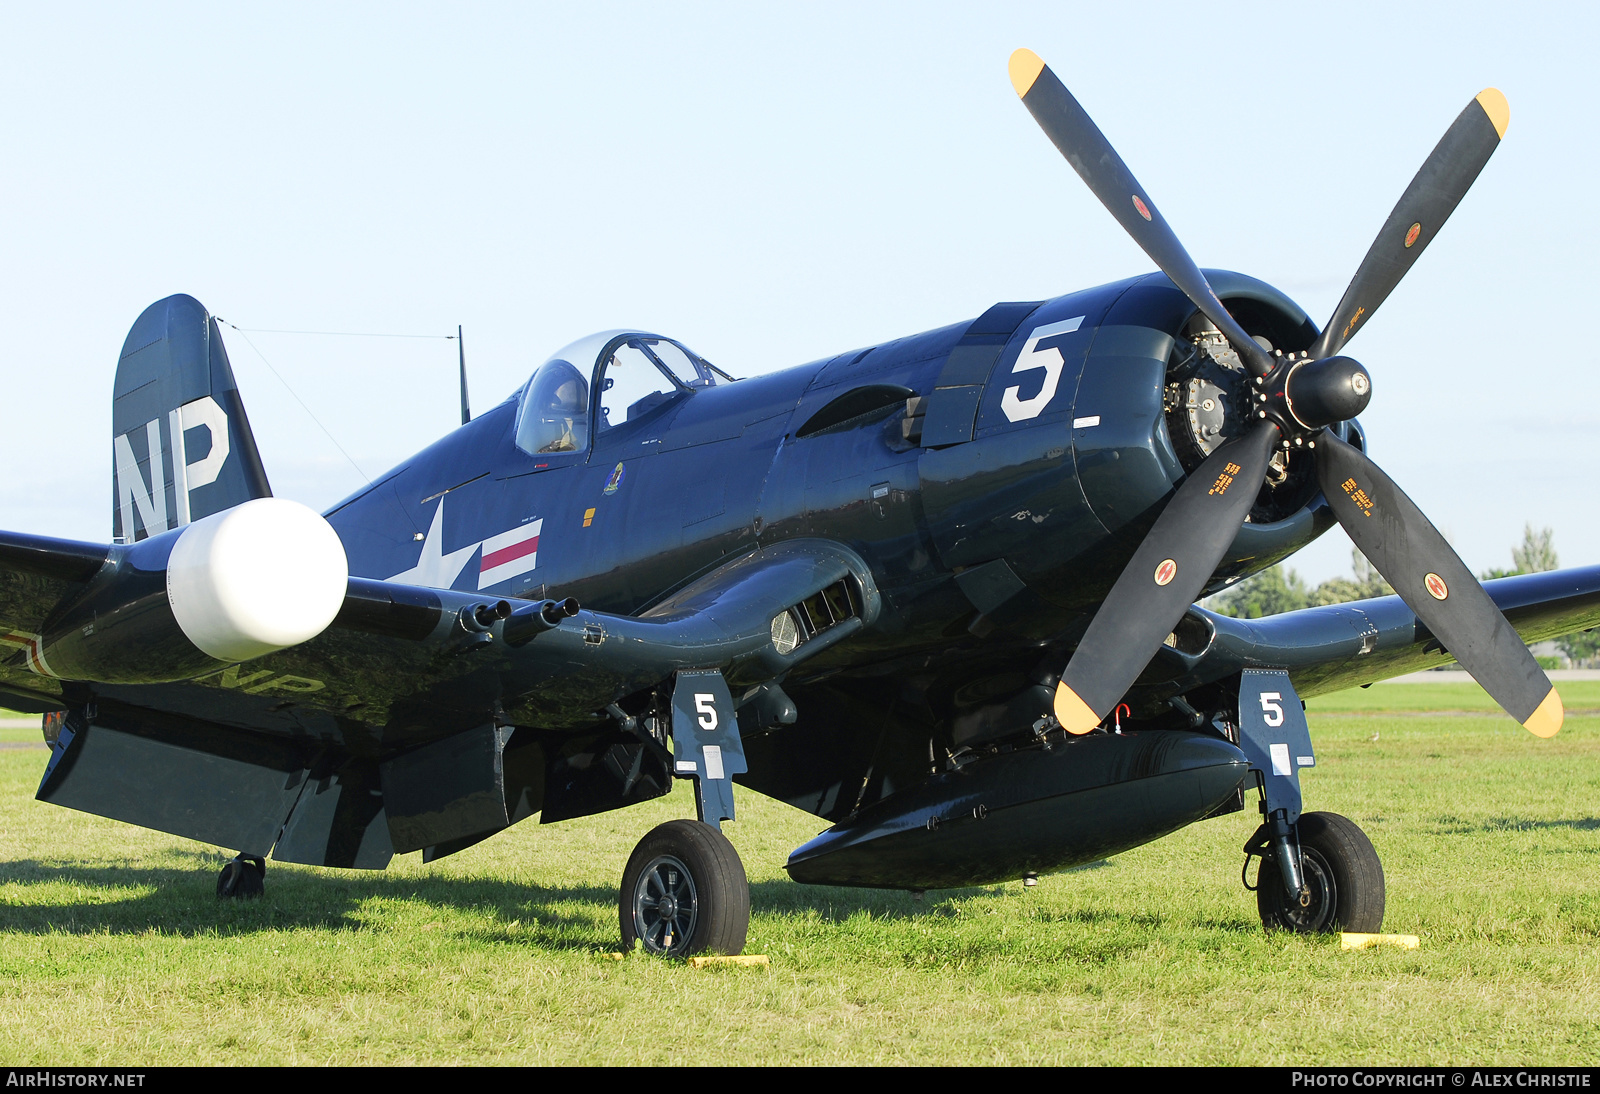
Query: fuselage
1022	454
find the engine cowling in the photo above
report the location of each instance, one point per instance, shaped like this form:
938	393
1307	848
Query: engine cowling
260	577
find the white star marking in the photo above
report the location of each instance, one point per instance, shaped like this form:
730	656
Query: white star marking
434	569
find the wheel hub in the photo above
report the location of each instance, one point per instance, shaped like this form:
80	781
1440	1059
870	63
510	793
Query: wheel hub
665	905
1314	908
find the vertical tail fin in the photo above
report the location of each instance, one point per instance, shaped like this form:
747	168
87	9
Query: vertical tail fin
181	444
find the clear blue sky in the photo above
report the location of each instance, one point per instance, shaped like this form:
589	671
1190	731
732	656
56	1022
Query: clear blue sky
772	184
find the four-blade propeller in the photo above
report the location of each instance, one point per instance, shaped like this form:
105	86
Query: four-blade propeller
1295	398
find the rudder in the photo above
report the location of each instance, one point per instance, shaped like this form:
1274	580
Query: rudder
182	448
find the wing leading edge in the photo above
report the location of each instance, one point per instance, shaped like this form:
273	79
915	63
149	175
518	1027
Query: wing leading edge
1339	646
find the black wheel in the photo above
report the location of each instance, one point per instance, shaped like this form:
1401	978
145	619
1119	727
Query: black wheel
684	892
1343	875
244	877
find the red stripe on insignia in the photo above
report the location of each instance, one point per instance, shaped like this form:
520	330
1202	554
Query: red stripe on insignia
509	554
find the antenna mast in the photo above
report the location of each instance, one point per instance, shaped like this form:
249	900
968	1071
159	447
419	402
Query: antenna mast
466	414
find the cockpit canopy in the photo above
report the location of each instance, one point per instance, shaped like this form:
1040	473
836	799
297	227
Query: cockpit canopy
632	375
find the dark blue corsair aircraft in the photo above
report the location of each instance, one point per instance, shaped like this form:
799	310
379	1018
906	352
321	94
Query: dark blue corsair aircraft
939	592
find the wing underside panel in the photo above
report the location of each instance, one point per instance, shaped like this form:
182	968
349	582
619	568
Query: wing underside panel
240	791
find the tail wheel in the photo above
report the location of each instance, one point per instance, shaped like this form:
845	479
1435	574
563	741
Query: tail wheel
685	892
1343	876
244	876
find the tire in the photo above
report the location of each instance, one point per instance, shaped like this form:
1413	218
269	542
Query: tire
243	877
685	892
1343	873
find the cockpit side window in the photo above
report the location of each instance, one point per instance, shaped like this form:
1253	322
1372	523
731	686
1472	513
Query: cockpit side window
554	416
645	372
678	363
633	385
688	367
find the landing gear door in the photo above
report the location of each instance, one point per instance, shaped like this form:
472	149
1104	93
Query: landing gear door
1275	736
705	742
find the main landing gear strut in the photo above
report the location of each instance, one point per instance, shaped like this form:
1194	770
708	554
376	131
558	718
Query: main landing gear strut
1319	873
685	891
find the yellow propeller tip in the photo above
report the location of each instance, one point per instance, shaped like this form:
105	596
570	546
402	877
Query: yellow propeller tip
1072	712
1494	104
1546	719
1025	68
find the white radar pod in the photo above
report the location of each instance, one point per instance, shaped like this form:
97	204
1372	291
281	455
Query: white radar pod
262	576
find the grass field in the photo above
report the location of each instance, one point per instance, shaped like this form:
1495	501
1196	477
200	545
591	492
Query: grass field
1578	696
113	949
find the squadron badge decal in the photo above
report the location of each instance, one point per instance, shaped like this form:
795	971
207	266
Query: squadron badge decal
615	480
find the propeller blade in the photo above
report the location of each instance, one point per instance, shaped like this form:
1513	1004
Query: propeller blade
1091	155
1435	584
1166	573
1433	195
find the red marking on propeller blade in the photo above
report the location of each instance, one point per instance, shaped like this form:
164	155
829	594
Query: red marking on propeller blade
1166	571
1436	586
1411	236
1138	203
